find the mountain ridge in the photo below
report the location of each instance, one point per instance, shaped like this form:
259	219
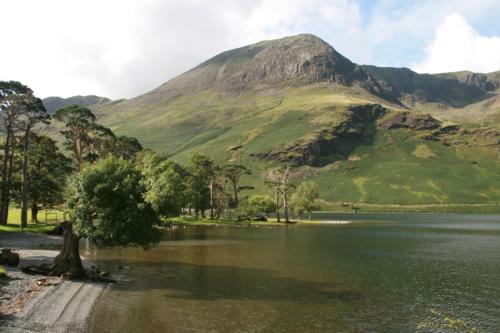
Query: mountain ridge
363	133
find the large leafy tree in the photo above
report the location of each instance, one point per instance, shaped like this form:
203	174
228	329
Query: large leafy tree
201	171
305	199
164	181
260	203
106	205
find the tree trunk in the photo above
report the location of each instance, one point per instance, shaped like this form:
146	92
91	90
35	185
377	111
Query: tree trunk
68	262
6	199
196	208
285	205
309	212
211	201
25	180
34	212
5	184
277	196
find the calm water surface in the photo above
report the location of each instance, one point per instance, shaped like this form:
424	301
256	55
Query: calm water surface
380	273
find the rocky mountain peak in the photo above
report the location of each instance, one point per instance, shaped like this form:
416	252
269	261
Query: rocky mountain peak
294	60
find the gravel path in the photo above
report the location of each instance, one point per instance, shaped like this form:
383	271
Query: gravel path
63	307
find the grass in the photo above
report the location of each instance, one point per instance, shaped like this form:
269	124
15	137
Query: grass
398	168
13	224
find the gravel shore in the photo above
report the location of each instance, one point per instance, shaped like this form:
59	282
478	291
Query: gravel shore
35	303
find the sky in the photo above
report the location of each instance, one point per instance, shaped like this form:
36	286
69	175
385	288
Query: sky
124	48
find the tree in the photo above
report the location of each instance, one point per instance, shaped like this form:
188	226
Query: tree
12	99
305	199
95	142
201	170
221	197
233	173
84	137
279	179
164	181
106	205
259	203
33	113
122	146
48	170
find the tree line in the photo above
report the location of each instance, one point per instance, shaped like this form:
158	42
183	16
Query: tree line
116	192
34	170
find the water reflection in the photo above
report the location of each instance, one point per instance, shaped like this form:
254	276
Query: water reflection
382	276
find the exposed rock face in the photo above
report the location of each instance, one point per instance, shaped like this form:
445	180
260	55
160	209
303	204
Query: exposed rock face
410	120
290	61
454	89
330	144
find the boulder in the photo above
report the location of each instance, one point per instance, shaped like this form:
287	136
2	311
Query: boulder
9	258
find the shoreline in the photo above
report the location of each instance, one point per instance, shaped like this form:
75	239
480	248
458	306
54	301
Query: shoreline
40	303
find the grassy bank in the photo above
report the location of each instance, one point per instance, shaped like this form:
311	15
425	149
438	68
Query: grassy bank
13	224
423	208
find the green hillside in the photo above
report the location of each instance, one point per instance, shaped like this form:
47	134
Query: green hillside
54	103
362	133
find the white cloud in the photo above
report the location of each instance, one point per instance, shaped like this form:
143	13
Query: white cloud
458	46
122	48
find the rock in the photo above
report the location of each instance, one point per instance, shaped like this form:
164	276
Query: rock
37	270
330	144
410	120
103	274
9	258
242	218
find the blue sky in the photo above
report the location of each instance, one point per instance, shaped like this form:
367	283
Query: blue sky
123	48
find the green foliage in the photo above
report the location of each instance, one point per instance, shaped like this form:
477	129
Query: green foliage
305	199
260	203
107	206
122	146
83	137
233	173
164	181
201	171
3	272
48	169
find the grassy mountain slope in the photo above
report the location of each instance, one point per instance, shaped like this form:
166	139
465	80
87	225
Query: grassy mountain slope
52	104
360	132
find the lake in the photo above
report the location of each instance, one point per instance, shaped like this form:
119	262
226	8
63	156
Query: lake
378	273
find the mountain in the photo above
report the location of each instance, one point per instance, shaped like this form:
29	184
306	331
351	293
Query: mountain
52	104
363	133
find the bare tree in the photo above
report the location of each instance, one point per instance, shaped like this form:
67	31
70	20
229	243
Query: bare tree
279	179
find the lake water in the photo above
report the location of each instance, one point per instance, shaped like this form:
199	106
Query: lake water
379	273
